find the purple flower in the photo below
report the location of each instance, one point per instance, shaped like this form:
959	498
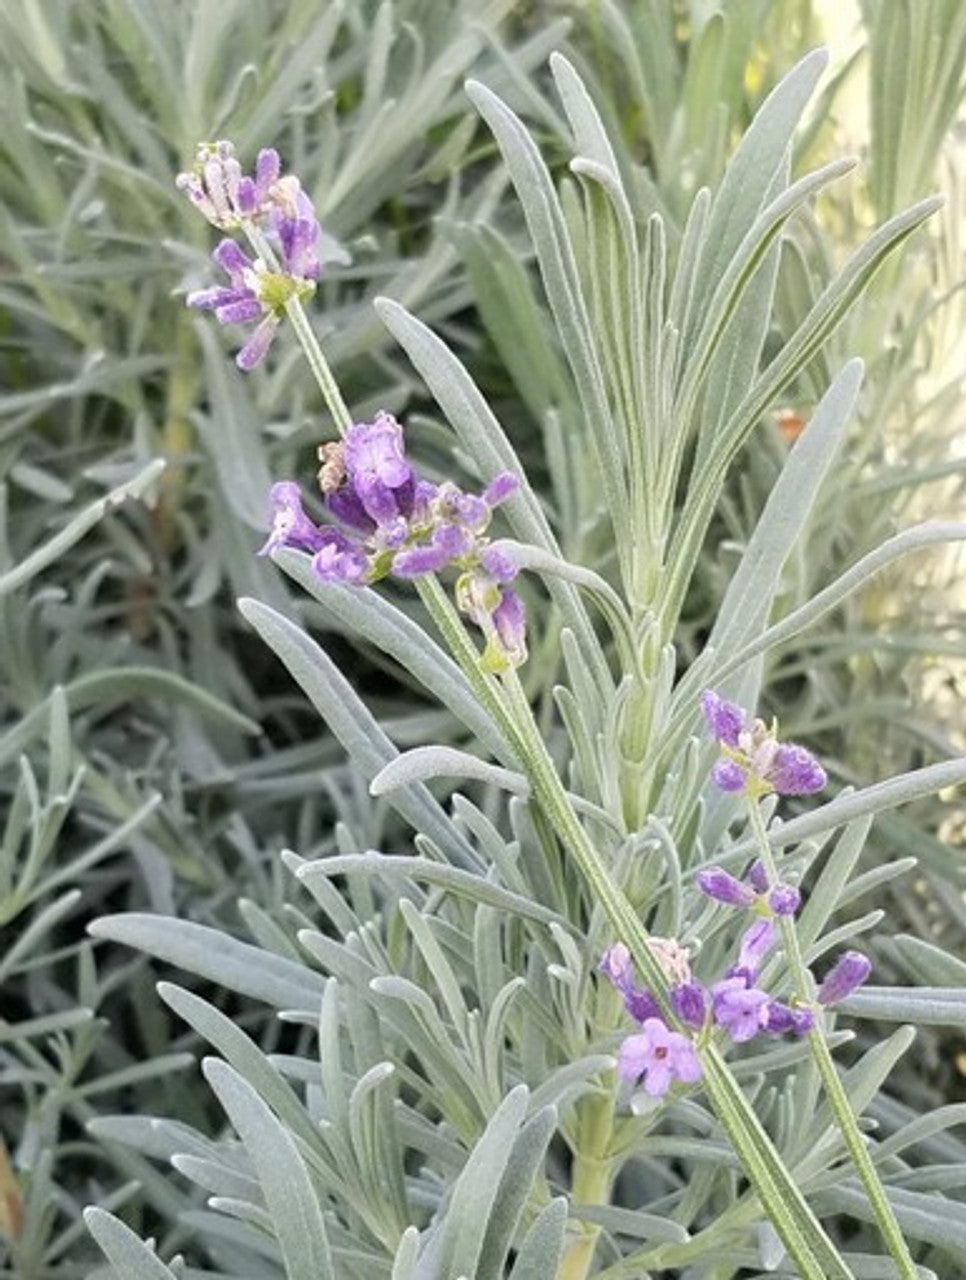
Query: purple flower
739	1009
252	294
753	760
757	876
385	520
339	559
781	1019
660	1056
291	527
724	719
723	887
849	971
617	967
259	291
379	475
796	772
228	198
755	944
690	1002
784	899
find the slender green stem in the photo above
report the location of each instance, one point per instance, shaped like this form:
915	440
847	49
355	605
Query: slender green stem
319	365
593	1172
834	1090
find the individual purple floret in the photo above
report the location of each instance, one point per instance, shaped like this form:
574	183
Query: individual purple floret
753	760
617	967
690	1002
387	521
724	887
796	772
740	1009
291	527
782	1020
725	720
784	899
849	972
660	1056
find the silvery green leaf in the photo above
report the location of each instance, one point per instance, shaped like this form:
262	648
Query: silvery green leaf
524	1166
215	955
922	1006
422	763
130	1258
465	884
337	702
81	524
242	1053
542	1247
377	619
293	1207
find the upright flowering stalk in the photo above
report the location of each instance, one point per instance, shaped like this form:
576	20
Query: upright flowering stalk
754	762
276	214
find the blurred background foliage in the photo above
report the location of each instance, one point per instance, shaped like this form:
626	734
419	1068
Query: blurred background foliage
151	754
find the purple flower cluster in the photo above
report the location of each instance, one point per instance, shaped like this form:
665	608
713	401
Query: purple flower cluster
659	1055
753	760
384	520
273	205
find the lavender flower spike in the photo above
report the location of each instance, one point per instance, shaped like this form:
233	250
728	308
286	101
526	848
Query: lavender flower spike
660	1056
848	973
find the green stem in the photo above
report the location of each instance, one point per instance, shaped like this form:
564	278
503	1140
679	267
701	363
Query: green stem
834	1090
591	1177
319	365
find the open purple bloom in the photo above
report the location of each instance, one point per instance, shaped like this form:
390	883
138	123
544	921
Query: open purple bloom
753	760
849	972
339	559
291	527
739	1009
660	1056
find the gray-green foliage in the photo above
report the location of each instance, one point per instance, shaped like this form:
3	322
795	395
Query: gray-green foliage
416	1055
118	639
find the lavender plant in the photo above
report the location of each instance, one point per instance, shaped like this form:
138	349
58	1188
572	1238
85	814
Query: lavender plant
460	1096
